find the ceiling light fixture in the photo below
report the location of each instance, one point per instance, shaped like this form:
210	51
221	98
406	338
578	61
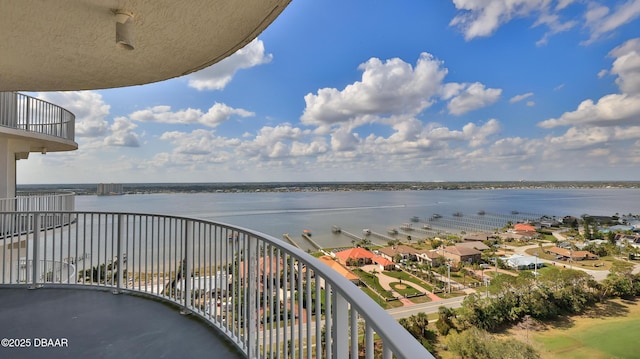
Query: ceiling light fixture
124	29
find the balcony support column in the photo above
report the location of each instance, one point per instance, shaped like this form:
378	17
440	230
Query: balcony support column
7	169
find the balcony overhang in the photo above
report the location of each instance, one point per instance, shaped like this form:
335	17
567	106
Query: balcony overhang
71	45
37	142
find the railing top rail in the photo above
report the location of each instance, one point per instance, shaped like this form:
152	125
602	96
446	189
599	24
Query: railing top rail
44	193
387	328
24	112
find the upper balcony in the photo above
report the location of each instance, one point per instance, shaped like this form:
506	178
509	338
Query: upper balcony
43	126
261	295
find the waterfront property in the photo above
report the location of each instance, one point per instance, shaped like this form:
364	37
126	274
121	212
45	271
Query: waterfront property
300	308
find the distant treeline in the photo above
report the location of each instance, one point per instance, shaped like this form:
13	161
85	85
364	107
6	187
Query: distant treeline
228	187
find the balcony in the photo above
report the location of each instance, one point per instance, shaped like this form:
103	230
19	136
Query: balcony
58	204
262	295
42	125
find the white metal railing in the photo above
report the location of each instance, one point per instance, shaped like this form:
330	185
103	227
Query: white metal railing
39	201
22	112
271	299
58	204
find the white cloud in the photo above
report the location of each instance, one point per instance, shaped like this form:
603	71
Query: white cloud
530	103
482	18
217	114
217	76
343	140
475	96
627	66
600	20
122	133
392	87
519	98
88	107
609	110
612	109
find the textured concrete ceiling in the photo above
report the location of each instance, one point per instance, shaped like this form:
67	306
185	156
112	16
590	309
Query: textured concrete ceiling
71	44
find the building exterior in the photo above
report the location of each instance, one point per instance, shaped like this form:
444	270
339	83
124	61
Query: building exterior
109	189
458	254
403	251
520	262
568	254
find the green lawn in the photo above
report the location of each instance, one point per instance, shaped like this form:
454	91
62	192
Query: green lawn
372	281
600	337
404	289
409	278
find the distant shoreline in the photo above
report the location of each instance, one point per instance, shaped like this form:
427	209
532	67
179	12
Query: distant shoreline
253	187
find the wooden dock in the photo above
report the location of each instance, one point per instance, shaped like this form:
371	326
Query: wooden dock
288	238
313	243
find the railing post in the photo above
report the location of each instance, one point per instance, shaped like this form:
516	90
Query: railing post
34	260
186	266
250	305
340	326
353	316
27	113
368	341
119	255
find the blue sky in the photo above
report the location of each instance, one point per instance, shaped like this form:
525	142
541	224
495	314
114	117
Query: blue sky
457	90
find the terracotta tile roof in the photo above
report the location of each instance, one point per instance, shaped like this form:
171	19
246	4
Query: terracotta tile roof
338	267
524	227
354	253
382	261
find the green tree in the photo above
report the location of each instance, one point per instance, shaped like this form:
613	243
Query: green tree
445	320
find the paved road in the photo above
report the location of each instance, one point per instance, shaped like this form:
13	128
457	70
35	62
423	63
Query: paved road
430	307
598	275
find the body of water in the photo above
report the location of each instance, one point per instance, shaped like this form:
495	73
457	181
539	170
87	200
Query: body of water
277	213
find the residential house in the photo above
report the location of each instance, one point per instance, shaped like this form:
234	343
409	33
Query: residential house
520	262
355	256
479	246
429	256
566	254
478	237
383	263
405	252
459	254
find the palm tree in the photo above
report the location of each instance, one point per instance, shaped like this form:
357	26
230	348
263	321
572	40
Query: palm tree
421	321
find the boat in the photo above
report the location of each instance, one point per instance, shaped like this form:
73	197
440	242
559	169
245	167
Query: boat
336	229
515	212
415	219
426	226
392	231
306	232
366	231
481	212
457	214
436	216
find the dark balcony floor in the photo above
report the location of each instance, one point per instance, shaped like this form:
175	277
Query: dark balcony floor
98	324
